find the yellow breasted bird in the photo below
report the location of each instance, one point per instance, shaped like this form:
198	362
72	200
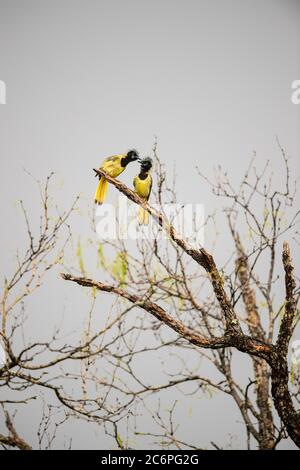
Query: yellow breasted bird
113	166
142	184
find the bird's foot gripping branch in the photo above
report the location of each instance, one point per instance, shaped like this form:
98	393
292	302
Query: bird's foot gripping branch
264	353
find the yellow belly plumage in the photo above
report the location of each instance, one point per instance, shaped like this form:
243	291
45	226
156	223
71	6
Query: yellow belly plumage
143	189
112	166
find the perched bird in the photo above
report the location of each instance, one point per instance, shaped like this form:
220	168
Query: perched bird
113	166
142	184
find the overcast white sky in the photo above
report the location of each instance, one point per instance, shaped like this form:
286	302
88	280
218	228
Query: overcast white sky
86	79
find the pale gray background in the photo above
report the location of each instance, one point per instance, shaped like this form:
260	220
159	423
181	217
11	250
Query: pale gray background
86	79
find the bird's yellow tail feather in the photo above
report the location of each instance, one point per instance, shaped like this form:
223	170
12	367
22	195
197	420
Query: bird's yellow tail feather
101	191
143	216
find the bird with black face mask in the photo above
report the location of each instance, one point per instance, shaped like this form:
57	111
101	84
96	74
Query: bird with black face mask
142	184
113	166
